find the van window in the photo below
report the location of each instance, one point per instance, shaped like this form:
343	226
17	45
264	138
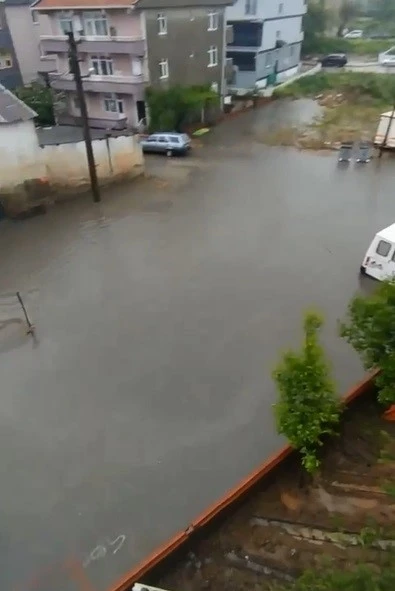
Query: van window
174	139
383	248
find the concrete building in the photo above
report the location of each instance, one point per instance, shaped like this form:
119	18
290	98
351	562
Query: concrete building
125	46
267	40
19	42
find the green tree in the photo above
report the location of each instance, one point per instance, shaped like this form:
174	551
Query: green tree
40	99
308	407
348	11
314	25
385	10
370	330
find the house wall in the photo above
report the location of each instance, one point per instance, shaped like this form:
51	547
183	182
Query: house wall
95	106
67	166
9	77
266	9
185	46
26	40
19	154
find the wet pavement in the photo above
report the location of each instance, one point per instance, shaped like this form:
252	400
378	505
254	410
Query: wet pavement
160	315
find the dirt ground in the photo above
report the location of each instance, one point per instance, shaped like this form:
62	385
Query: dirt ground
345	516
342	119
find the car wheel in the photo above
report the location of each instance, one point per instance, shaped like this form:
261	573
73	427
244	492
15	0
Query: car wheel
169	152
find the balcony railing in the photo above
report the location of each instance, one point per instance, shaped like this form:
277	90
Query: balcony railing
229	34
103	84
47	64
108	45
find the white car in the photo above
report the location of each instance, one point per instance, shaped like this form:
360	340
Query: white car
355	34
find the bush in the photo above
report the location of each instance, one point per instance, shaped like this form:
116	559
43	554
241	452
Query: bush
308	407
175	107
370	330
379	88
324	45
40	99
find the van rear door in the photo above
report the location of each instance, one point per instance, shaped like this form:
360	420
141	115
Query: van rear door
380	259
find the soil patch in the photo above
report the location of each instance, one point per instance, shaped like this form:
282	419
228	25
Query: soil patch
346	516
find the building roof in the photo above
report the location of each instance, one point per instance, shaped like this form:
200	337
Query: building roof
80	4
387	233
83	4
12	109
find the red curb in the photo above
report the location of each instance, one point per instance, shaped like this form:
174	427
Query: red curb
154	559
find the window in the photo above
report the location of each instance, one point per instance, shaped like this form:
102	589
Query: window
66	22
113	104
137	67
95	24
212	21
163	69
280	8
162	24
174	139
35	17
102	65
383	248
212	56
250	6
5	62
162	139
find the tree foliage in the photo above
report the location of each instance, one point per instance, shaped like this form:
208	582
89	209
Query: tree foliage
370	330
40	99
314	25
348	10
170	109
308	407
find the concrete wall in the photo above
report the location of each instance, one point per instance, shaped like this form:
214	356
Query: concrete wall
26	40
19	154
66	164
185	46
266	9
284	29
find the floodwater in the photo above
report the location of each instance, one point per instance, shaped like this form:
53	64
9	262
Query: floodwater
160	314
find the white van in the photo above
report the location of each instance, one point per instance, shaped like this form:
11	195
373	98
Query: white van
379	261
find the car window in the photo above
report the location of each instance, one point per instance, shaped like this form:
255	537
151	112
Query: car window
174	139
393	256
162	139
151	138
383	248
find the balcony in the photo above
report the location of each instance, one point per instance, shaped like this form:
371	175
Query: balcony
106	45
118	121
134	85
229	37
47	64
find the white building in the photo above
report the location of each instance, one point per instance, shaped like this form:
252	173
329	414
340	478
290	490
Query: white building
267	40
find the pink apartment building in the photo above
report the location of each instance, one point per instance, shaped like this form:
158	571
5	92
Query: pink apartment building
125	45
112	51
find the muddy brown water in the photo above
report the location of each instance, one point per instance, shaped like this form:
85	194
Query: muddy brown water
160	315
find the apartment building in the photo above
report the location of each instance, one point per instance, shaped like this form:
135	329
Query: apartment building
125	46
267	40
19	44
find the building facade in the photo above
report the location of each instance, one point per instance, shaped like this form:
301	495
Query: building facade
125	47
19	44
267	40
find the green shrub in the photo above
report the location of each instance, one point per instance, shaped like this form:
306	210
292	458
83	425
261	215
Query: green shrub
308	407
171	109
324	45
379	88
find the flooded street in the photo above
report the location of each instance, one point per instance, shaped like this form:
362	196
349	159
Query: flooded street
160	315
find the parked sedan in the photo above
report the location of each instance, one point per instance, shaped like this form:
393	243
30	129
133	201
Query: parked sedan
334	60
170	143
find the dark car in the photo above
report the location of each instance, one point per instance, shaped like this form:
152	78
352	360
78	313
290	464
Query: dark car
334	60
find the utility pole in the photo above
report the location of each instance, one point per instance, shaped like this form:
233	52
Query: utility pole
75	69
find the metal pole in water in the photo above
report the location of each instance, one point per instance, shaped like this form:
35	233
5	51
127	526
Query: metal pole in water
30	329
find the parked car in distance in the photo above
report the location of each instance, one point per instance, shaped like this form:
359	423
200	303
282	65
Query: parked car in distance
334	60
170	143
355	34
